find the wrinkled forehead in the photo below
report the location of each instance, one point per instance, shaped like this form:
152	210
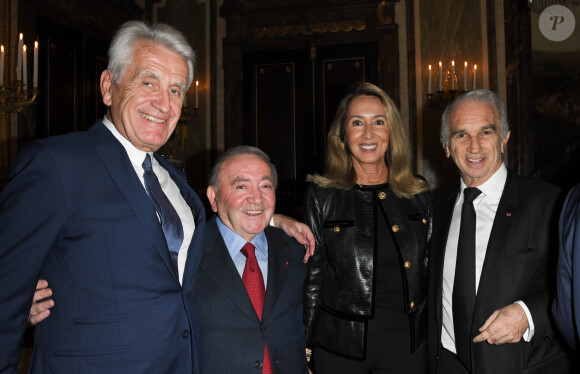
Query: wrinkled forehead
244	167
473	112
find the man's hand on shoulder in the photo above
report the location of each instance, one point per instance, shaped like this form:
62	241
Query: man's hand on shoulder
505	325
40	308
298	231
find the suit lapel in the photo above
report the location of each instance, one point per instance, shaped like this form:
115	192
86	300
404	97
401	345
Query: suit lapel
502	224
122	173
279	263
218	265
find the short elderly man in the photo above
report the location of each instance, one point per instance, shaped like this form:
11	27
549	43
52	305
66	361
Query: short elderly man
492	254
241	334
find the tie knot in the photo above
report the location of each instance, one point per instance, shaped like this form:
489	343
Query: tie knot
470	193
248	250
147	163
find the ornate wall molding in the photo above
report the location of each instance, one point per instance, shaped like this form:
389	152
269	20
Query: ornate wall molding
262	21
321	28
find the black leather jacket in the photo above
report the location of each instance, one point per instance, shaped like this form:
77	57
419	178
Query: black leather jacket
339	286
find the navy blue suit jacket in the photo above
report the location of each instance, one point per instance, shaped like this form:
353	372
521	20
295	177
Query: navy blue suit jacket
233	335
76	214
567	304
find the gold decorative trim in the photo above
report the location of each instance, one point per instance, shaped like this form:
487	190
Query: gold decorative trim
321	28
382	14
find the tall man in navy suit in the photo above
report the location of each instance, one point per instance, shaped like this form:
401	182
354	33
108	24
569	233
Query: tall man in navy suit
78	213
501	322
238	336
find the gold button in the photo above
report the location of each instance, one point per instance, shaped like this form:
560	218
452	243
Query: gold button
424	220
395	228
382	195
336	228
412	305
407	264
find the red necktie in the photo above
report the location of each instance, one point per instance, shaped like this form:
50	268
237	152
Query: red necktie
254	282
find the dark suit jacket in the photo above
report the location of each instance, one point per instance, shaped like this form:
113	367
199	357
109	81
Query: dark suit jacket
76	214
519	265
567	304
233	336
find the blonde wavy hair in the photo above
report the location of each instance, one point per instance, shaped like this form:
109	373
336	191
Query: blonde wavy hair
339	170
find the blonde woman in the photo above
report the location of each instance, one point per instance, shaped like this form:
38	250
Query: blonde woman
365	294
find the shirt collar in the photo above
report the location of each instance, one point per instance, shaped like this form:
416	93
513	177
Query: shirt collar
492	189
135	155
234	242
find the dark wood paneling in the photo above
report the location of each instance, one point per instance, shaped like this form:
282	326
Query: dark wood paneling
276	122
61	90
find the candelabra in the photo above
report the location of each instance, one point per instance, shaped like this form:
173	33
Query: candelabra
442	98
13	99
447	84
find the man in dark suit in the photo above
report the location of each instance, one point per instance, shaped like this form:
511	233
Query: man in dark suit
78	212
566	307
238	336
492	254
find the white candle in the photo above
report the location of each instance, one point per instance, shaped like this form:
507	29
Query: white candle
35	71
24	67
440	76
474	75
2	66
19	60
465	76
196	94
453	75
429	80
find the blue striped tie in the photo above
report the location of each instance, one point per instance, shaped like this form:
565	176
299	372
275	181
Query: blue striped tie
170	221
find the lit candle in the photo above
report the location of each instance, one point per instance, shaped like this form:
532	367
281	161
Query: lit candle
35	71
24	67
19	60
440	76
453	75
197	94
465	76
429	80
2	66
474	75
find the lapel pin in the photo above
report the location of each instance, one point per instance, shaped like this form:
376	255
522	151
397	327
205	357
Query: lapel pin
287	263
508	214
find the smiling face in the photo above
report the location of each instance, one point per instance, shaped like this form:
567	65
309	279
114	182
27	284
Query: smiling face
367	133
245	196
146	103
475	143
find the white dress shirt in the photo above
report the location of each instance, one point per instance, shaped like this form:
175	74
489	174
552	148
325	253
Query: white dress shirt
136	156
485	209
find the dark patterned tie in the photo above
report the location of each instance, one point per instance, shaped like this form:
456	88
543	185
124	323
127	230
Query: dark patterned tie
170	221
464	284
254	282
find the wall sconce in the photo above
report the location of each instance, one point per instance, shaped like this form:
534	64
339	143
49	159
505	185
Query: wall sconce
448	84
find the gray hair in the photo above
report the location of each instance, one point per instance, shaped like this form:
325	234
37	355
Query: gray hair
480	96
239	151
121	48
